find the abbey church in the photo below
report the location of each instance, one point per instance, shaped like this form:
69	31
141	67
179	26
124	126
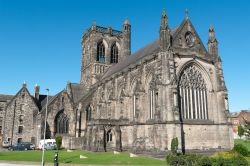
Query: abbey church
172	87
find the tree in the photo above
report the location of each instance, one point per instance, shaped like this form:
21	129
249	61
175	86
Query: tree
174	145
58	141
247	129
241	131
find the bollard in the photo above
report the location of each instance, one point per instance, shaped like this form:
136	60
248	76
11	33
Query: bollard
56	159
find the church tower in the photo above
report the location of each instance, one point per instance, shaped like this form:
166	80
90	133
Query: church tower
103	47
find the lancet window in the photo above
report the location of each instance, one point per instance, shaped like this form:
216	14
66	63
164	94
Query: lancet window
193	94
114	54
134	106
100	53
109	136
88	113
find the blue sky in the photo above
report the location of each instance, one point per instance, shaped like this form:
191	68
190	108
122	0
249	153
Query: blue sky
40	39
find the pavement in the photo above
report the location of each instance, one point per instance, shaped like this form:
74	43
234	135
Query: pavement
6	164
25	163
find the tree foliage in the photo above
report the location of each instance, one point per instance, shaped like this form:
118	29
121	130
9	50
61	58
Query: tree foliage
247	129
174	145
241	131
58	141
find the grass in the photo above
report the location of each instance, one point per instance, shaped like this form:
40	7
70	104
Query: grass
98	158
106	158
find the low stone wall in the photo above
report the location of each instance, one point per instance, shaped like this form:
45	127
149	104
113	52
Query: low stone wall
72	142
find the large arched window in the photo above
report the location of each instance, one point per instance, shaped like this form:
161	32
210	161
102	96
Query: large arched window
100	53
114	54
193	94
61	123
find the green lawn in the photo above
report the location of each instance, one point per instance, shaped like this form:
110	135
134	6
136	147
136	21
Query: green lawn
106	158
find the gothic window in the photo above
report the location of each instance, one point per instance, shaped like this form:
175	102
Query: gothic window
88	113
151	103
21	117
114	54
1	122
20	129
100	53
134	105
193	94
109	136
21	108
61	123
226	104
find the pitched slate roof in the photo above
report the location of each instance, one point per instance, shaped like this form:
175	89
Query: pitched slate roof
145	51
43	100
151	48
77	90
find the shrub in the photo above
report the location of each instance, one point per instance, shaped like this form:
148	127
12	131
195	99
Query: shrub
241	131
174	145
188	160
204	161
238	160
241	149
58	141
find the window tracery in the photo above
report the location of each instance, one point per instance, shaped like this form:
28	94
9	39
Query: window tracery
100	53
62	123
193	94
114	54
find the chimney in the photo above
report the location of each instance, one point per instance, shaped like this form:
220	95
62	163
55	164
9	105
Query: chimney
36	92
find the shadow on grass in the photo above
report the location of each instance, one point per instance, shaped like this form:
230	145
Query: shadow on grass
69	159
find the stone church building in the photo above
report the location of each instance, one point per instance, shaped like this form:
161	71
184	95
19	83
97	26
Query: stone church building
172	87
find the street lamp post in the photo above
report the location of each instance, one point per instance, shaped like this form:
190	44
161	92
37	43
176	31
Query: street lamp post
45	122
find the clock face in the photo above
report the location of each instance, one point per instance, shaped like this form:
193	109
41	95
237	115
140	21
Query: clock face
189	39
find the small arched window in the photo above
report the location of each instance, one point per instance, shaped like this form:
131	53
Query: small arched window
100	53
114	54
109	136
88	113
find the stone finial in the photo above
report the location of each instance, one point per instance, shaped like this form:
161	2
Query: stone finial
24	84
212	37
126	22
211	28
186	13
94	23
164	20
163	14
212	41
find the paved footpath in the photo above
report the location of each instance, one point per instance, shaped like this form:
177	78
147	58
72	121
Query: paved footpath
6	164
23	163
